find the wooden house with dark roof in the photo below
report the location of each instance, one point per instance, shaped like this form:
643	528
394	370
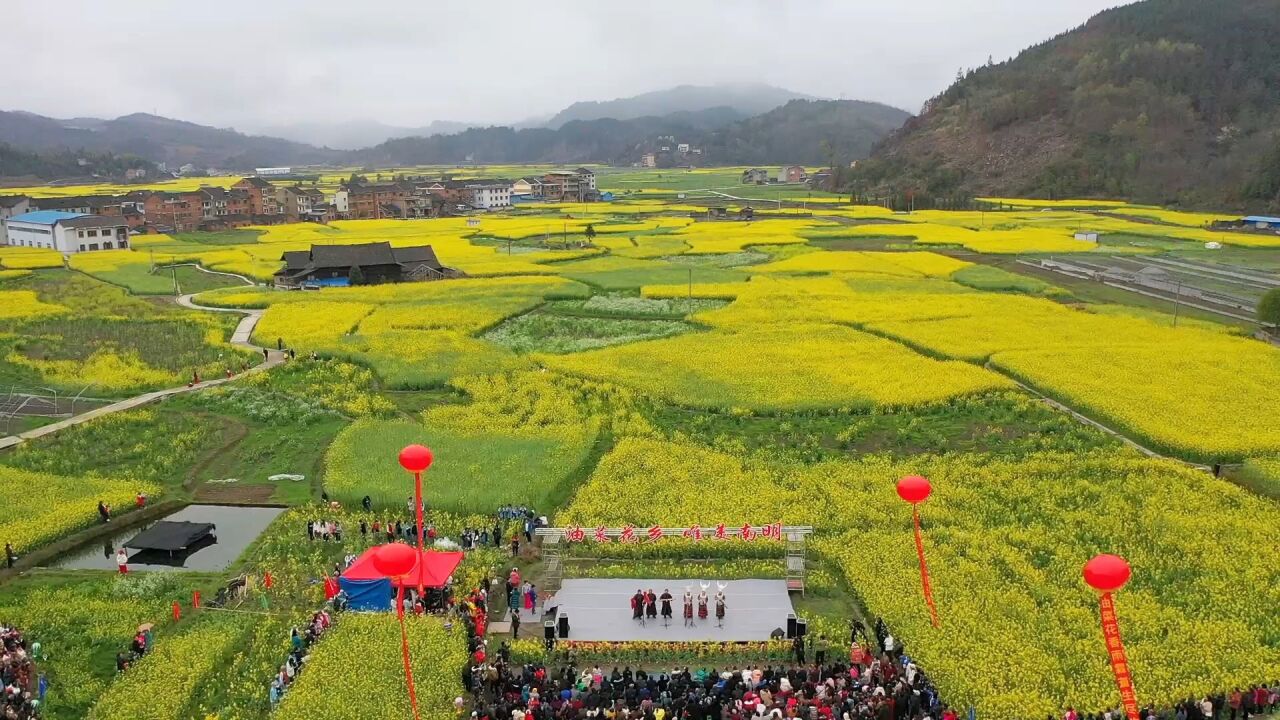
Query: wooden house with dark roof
332	265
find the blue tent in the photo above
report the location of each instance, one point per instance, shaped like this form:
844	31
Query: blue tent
367	594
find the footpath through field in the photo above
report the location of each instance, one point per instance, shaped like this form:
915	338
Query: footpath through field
239	338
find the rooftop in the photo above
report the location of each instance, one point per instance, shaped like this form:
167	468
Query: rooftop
1262	219
45	217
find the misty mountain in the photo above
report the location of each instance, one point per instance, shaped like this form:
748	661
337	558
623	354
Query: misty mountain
156	139
356	134
1161	101
808	132
802	131
746	98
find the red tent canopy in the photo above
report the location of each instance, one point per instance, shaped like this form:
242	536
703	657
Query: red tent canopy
436	568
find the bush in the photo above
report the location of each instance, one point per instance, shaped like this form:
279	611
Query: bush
1269	308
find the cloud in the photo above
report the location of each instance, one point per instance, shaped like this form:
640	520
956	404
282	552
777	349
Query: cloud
248	64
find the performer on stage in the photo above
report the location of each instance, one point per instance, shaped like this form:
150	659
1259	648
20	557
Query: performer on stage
637	607
720	609
702	605
666	607
688	609
651	605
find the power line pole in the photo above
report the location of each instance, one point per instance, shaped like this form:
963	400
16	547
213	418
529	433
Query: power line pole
1177	302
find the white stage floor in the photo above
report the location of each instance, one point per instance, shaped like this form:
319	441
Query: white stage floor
600	609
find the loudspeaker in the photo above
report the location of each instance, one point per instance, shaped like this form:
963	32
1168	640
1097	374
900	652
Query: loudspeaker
549	630
802	627
563	621
791	626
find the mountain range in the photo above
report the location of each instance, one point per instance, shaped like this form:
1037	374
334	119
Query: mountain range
1162	101
802	131
732	123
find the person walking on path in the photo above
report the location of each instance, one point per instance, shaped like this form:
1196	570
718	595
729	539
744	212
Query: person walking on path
9	555
122	561
104	511
279	343
266	355
515	625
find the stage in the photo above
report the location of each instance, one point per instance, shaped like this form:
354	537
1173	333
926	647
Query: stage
600	609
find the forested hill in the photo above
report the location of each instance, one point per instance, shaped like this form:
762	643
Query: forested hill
808	132
1159	101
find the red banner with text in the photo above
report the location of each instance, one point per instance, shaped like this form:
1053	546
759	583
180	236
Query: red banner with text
1119	662
632	534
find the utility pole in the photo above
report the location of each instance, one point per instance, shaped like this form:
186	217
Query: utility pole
1177	302
690	288
176	289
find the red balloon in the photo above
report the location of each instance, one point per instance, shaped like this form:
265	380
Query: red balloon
416	458
1107	572
914	489
394	559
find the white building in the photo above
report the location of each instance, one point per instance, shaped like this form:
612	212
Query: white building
67	232
683	148
586	178
341	202
11	205
264	172
490	195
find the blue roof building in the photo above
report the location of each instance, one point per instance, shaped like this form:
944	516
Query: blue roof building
45	217
1262	222
66	232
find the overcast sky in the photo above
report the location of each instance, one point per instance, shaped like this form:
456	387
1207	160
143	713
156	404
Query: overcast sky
265	62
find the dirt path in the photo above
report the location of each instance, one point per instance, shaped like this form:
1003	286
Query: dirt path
240	338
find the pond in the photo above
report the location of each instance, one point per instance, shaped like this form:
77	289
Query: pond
237	526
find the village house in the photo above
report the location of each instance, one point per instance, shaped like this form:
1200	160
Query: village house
373	201
791	174
489	194
755	176
526	189
376	263
262	196
175	212
11	205
66	232
569	185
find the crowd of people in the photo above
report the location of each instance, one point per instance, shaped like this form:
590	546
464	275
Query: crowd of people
888	687
300	642
24	690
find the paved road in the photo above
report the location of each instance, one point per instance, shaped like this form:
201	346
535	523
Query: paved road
240	338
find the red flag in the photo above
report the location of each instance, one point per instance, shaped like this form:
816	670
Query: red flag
267	580
177	611
195	599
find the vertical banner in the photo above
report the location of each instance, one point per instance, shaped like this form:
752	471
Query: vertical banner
924	568
404	649
1119	661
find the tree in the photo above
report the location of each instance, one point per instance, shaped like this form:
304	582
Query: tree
590	232
1269	308
356	276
